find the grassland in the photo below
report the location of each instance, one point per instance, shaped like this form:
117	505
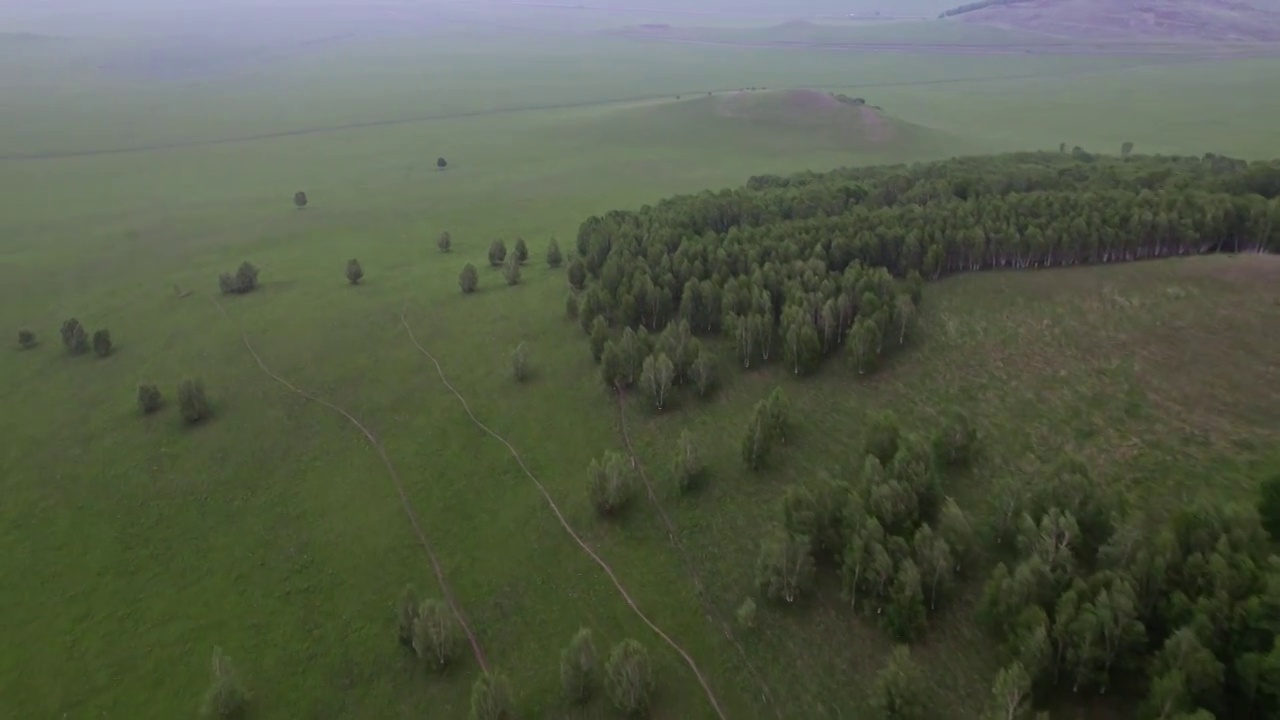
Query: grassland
134	545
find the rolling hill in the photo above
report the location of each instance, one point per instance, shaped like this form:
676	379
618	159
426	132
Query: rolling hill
1176	20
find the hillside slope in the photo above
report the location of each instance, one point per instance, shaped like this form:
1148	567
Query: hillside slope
1183	20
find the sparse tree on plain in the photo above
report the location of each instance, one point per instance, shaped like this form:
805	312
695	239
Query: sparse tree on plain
629	678
26	339
406	614
226	697
580	667
784	570
747	613
468	279
511	269
688	467
554	258
611	483
148	398
244	280
435	636
899	691
193	403
300	200
497	252
521	250
520	363
441	163
1126	149
354	271
491	698
577	274
444	242
656	376
74	337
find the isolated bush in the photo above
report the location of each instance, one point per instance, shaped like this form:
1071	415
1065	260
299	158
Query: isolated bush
1126	149
579	667
441	163
435	636
521	250
610	483
102	343
26	339
300	200
520	363
899	690
784	570
511	270
74	337
245	280
491	698
629	678
956	441
688	467
468	279
1269	506
571	306
445	241
226	697
192	401
747	613
497	252
406	614
554	258
148	398
354	271
577	274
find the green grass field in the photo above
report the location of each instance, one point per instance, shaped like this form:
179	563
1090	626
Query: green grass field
135	544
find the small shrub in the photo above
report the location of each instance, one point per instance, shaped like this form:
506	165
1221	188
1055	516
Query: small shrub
571	306
520	363
226	697
445	241
148	398
354	271
102	343
579	667
435	637
629	678
497	253
192	401
747	613
300	200
554	257
407	615
469	279
74	337
511	270
27	339
441	163
688	467
491	698
521	251
611	484
244	280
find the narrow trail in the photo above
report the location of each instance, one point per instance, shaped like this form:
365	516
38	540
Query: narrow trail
564	523
395	480
708	605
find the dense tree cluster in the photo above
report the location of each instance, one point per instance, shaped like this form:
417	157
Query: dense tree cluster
798	268
673	358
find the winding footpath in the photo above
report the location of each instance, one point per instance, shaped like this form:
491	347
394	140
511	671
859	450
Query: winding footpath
564	523
395	480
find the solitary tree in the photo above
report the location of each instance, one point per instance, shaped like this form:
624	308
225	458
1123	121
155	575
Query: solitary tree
491	698
148	398
579	667
610	483
656	376
554	258
74	337
26	339
747	613
300	200
435	637
354	271
226	697
497	252
899	690
520	363
511	269
445	241
521	250
244	280
468	279
407	614
784	570
102	343
688	467
1126	149
441	163
629	678
192	401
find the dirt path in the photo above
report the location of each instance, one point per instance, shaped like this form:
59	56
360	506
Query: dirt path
395	480
708	605
564	523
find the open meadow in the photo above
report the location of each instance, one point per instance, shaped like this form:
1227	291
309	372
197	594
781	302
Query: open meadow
281	528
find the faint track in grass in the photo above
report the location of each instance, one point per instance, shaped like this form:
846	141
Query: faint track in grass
395	480
564	523
708	605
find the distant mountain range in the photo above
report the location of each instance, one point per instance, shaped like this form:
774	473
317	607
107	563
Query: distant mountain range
1167	20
